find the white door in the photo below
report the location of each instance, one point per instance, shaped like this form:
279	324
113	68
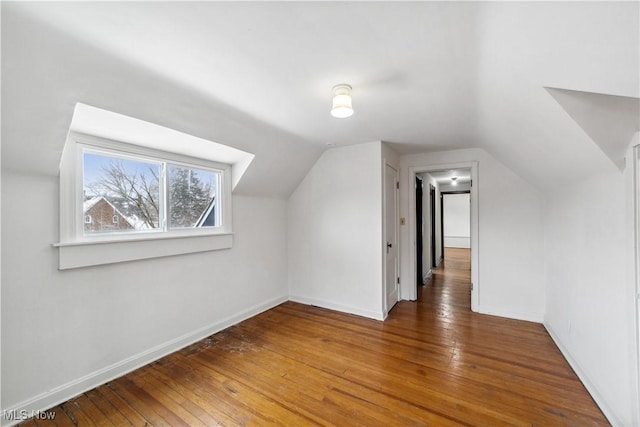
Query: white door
391	236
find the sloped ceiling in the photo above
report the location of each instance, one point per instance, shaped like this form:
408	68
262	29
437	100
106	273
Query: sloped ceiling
258	76
610	121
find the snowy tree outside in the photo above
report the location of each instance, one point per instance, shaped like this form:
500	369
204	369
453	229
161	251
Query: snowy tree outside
191	193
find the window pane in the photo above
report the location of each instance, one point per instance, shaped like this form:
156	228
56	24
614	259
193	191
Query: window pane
120	195
192	197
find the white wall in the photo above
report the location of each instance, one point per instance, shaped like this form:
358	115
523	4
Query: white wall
66	331
590	289
335	233
457	220
510	210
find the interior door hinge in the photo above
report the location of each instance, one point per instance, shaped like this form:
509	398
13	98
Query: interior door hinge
397	185
398	280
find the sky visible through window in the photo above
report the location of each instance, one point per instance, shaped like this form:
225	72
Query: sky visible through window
94	164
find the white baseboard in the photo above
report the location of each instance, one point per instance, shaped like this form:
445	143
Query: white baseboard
427	276
529	317
338	307
74	388
591	388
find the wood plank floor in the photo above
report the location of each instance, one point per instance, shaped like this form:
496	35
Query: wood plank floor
433	362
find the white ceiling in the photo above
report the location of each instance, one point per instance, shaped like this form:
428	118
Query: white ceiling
426	76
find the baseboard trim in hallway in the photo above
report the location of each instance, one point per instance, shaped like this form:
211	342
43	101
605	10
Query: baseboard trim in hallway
591	388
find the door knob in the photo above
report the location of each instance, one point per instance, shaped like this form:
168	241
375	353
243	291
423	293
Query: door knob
389	245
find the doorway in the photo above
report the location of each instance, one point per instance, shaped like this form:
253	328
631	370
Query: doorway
432	235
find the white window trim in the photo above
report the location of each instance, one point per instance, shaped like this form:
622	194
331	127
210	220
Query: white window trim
80	250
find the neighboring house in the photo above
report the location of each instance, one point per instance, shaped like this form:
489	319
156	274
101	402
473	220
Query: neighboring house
101	215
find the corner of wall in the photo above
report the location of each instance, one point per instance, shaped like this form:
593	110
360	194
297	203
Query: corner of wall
591	388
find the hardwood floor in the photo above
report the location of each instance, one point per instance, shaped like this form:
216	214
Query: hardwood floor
433	362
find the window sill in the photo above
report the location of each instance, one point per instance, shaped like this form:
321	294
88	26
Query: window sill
99	252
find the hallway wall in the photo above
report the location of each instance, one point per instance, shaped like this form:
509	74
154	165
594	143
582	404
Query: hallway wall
456	220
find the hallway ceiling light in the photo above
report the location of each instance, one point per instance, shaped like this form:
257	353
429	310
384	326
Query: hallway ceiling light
342	107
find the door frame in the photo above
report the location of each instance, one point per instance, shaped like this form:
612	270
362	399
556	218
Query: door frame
396	195
419	231
412	292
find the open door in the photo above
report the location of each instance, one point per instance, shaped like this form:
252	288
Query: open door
432	204
419	233
391	236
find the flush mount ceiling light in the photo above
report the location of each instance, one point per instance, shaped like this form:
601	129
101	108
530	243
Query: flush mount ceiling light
454	180
342	107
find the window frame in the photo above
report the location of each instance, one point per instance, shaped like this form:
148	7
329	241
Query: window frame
219	213
73	238
82	148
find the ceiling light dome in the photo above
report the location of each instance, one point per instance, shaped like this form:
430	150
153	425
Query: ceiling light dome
342	107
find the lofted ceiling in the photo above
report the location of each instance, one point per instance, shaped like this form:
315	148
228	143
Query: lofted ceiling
426	76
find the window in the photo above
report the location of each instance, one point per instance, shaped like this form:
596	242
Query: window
192	197
115	184
120	202
133	190
150	196
133	193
